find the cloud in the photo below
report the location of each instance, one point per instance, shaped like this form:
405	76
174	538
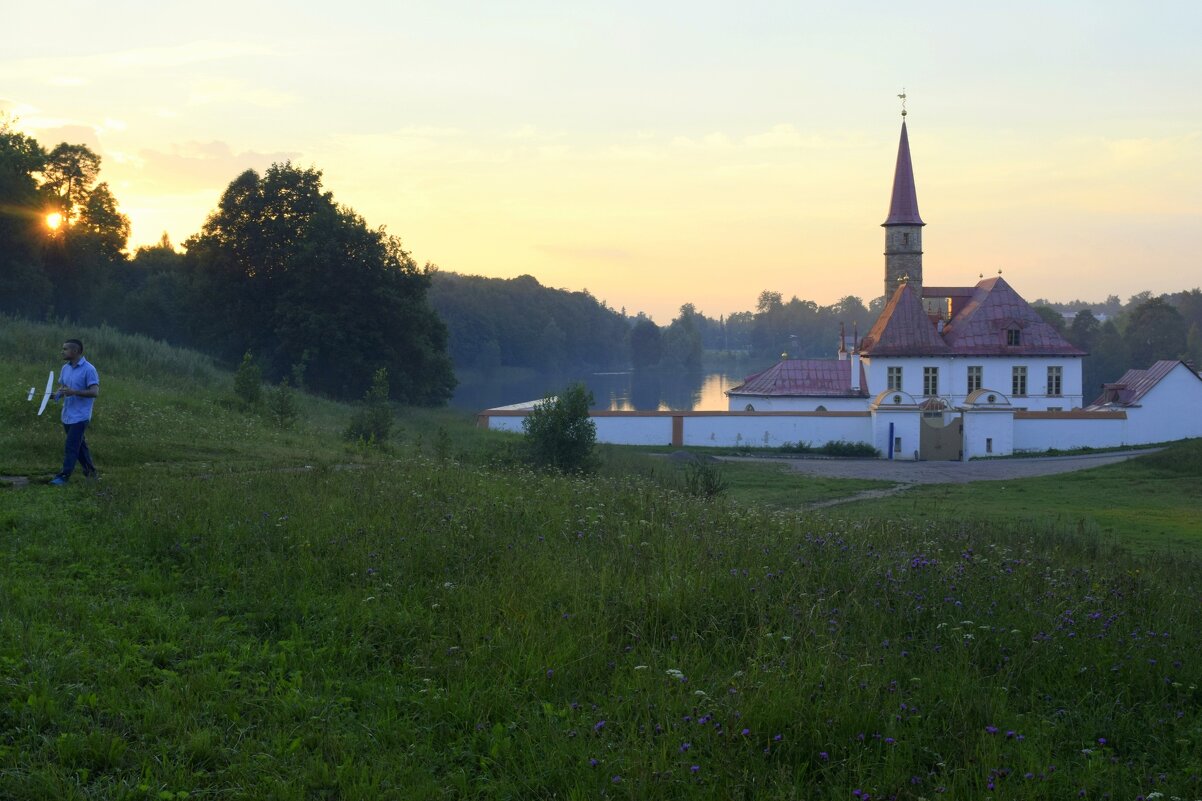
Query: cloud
212	91
199	165
586	252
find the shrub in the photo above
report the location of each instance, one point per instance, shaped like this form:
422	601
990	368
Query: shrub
248	381
704	479
559	433
281	405
844	448
372	421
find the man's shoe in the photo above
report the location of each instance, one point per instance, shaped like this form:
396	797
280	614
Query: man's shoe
58	481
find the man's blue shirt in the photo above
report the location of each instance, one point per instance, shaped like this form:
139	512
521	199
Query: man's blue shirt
79	377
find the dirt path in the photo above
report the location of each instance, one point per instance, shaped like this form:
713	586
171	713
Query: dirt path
910	473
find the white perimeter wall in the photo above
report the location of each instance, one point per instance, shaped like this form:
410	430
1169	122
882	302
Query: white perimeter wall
777	403
1066	431
634	430
771	431
982	426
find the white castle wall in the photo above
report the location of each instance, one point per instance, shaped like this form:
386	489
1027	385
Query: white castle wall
1041	431
988	432
772	431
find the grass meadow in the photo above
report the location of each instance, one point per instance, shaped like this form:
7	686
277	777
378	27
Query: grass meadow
238	612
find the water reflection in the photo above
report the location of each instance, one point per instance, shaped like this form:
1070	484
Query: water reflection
643	390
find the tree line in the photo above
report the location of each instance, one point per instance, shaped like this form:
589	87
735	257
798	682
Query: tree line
279	270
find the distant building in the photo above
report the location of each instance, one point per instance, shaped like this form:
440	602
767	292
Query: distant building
937	343
945	372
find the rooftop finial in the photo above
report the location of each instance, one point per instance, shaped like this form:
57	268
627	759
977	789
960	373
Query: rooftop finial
902	96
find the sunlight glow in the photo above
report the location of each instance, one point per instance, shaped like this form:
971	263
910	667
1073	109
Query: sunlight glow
54	220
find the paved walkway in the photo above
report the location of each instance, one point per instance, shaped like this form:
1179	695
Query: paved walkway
948	472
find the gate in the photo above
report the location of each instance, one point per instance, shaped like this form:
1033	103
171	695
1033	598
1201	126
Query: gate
940	441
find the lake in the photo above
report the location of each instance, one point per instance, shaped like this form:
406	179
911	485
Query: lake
644	391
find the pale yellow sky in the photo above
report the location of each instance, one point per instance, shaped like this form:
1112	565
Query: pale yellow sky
665	153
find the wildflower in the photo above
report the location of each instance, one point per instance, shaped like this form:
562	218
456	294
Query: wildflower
746	732
616	780
593	763
685	747
824	756
695	769
599	725
991	729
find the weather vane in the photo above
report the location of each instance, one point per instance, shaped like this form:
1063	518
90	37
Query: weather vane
902	96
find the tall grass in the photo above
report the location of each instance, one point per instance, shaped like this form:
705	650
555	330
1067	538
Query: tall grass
435	621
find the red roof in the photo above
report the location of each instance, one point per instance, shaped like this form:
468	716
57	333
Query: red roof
903	209
982	317
1131	388
904	329
980	328
827	378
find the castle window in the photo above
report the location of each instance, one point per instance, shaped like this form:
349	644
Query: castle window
1013	337
893	379
974	378
749	408
1055	376
905	239
930	381
988	444
1018	381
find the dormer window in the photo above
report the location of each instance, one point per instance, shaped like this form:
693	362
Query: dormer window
1013	337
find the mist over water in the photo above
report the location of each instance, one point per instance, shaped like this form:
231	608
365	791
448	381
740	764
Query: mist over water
644	391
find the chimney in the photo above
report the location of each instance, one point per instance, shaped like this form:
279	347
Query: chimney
855	361
842	343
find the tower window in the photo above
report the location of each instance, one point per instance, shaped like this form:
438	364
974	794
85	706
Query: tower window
1013	337
905	239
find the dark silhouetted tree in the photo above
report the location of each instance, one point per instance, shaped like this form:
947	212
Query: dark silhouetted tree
280	268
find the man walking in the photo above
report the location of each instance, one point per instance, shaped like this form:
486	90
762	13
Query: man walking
78	386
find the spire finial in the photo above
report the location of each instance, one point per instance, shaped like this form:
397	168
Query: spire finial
902	96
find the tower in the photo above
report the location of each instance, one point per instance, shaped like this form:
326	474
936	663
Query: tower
903	229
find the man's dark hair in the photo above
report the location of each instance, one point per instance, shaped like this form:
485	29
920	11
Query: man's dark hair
78	345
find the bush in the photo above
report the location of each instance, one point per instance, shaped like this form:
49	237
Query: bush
281	405
372	421
248	381
704	479
559	433
836	447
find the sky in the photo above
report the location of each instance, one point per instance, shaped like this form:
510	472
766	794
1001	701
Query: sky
657	153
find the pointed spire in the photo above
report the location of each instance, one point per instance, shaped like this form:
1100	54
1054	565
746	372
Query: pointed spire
903	210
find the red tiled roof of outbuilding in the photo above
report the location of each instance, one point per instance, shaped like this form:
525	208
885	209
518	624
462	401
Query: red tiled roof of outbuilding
1135	384
805	377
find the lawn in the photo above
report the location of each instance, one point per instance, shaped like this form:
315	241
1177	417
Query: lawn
275	614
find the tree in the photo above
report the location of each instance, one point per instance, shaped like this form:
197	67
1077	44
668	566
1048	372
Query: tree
559	433
101	220
372	421
681	342
280	268
24	287
1154	331
68	176
1083	330
644	344
1050	316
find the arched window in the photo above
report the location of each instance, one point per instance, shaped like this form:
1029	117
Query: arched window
749	408
820	408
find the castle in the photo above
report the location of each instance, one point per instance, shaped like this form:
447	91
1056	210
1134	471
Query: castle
944	373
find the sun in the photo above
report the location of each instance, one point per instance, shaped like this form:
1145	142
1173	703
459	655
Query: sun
54	220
